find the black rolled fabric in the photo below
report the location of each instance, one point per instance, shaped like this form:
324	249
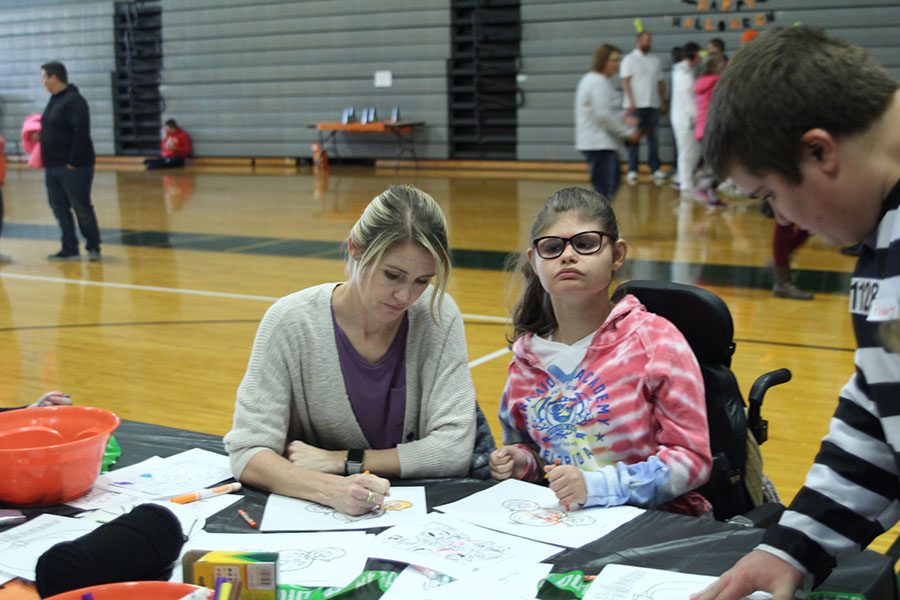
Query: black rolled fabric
138	546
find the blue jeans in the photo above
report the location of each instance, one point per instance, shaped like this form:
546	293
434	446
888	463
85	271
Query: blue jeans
604	168
69	191
649	123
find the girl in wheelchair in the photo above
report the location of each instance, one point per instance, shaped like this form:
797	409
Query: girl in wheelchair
605	401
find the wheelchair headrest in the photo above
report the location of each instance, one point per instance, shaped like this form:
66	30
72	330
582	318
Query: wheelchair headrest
701	316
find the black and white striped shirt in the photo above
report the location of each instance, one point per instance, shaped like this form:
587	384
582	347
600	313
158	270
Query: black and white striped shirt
851	493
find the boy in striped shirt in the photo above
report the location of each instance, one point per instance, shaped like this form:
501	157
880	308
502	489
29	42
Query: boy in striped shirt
812	124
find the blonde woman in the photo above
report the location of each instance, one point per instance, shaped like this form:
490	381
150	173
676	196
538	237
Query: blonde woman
354	382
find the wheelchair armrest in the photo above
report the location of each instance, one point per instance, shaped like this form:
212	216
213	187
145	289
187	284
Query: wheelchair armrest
755	423
762	516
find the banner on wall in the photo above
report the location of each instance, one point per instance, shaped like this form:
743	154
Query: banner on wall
725	15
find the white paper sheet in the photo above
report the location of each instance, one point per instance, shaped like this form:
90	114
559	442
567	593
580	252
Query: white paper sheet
21	546
330	559
98	498
619	581
103	493
418	583
178	474
531	511
518	583
405	504
447	545
192	515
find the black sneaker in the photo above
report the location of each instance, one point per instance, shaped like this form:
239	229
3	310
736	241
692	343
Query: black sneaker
94	256
64	256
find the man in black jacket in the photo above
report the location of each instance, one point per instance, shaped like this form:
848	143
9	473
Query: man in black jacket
68	155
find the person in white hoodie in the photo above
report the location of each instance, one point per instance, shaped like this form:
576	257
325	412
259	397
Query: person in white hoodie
600	122
683	116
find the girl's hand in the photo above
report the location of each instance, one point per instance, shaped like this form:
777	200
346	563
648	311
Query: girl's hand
315	459
358	494
567	482
53	399
509	461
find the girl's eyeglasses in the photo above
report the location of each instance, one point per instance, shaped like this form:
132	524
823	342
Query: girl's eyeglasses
584	243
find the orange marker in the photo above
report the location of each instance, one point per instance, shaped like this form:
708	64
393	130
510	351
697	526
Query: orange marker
247	518
207	493
555	463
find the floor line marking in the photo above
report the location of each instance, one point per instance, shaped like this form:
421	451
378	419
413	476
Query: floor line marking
474	318
487	357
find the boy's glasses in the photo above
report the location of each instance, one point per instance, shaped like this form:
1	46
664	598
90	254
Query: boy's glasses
584	243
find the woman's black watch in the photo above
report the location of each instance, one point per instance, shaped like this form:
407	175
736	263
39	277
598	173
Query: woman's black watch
353	465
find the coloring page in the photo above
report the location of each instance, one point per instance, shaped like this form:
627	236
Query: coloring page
519	583
98	497
282	513
458	549
416	582
314	559
531	511
620	582
192	515
21	546
179	474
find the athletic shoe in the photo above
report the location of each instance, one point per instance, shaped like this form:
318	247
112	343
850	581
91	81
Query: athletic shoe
731	189
788	289
659	175
715	203
631	177
64	256
5	259
94	256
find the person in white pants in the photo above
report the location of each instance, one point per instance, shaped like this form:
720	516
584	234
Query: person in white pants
683	115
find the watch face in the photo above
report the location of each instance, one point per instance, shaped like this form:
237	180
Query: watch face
354	463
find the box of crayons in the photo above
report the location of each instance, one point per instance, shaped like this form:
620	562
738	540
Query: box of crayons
252	575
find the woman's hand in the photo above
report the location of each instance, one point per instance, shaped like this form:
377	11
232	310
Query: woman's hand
316	459
567	482
358	494
509	461
53	399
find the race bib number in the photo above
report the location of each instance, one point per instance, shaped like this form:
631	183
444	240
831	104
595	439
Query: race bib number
863	293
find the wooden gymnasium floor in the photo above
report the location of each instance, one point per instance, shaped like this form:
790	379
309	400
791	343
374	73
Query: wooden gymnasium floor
161	330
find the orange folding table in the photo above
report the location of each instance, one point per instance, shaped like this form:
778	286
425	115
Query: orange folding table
403	131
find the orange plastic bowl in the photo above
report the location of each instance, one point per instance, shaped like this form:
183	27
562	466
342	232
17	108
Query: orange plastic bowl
131	590
51	454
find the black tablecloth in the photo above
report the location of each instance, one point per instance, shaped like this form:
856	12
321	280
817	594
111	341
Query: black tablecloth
656	539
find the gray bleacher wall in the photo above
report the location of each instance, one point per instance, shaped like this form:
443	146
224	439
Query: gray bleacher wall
559	37
77	33
246	76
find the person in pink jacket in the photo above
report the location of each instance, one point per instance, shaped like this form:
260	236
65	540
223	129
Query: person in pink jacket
703	90
606	399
